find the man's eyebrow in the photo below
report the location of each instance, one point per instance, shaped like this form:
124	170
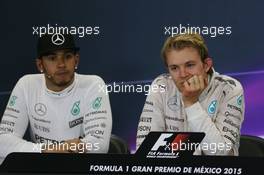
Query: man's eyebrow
188	62
173	65
64	52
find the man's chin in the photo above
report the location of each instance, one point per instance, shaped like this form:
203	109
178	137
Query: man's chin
180	90
63	83
180	87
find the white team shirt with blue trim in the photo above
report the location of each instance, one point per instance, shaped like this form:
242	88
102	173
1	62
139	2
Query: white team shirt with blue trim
80	110
219	113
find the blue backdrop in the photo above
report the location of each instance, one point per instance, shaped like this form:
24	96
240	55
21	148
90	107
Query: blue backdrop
128	46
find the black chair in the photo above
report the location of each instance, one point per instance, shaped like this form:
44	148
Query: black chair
118	146
251	146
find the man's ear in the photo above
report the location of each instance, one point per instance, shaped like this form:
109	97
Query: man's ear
208	63
39	64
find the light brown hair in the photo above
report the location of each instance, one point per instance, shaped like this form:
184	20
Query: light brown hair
181	41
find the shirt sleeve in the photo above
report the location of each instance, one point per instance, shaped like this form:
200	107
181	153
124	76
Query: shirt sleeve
223	132
97	122
151	118
14	124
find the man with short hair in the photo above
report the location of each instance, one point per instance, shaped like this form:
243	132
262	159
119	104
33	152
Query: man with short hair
66	111
195	99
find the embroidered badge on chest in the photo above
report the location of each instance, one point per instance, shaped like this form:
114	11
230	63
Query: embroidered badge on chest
173	103
75	108
212	107
97	103
239	100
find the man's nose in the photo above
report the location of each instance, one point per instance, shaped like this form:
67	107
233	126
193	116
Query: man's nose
183	72
61	61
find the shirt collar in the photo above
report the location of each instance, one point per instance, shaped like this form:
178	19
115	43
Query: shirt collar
64	92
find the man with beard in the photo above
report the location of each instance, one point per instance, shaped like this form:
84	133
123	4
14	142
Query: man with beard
66	112
195	99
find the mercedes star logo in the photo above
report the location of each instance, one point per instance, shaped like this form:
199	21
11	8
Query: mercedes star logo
173	104
57	39
40	109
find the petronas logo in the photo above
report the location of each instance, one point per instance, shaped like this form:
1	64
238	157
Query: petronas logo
12	100
75	108
97	103
212	107
239	100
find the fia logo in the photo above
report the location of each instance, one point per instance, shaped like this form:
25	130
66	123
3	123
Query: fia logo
75	108
97	103
212	107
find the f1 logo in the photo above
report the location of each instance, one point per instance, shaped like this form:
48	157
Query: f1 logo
169	144
161	141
